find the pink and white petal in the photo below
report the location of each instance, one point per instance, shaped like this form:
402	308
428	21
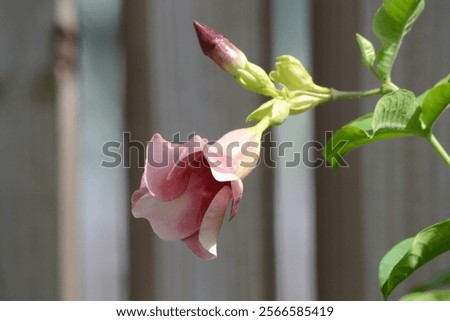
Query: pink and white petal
243	147
237	189
194	245
142	191
173	220
204	242
161	159
181	217
212	221
222	167
190	155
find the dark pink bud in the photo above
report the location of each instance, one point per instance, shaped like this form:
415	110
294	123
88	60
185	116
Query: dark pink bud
219	48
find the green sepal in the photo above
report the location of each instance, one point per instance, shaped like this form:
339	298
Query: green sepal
276	110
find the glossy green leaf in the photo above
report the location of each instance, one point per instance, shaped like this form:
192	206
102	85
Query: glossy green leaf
442	279
434	103
391	258
367	51
397	265
436	295
421	98
397	111
356	134
391	23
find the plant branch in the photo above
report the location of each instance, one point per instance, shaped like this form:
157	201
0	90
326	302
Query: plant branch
337	95
438	148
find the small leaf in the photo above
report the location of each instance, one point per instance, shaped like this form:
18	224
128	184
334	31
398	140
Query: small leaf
356	134
397	265
436	295
367	51
391	23
442	279
434	103
397	111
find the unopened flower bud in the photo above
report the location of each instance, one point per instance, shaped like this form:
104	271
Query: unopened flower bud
293	76
232	60
216	46
303	103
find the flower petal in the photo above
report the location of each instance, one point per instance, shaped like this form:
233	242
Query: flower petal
181	217
194	245
238	189
141	192
206	239
166	175
238	154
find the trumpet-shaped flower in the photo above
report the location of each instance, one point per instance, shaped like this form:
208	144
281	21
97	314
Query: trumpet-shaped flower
186	188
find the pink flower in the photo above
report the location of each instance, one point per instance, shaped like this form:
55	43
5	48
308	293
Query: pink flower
220	49
186	188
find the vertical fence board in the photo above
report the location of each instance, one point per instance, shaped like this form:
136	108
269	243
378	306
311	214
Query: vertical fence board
28	152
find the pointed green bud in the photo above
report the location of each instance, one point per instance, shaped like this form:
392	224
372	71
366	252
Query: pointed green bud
292	75
254	78
302	103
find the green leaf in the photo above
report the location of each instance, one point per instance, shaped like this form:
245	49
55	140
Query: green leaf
436	295
434	103
391	23
356	134
397	111
397	265
395	115
391	258
442	279
421	98
367	51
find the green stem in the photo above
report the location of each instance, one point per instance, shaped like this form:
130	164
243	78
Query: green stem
438	148
336	94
